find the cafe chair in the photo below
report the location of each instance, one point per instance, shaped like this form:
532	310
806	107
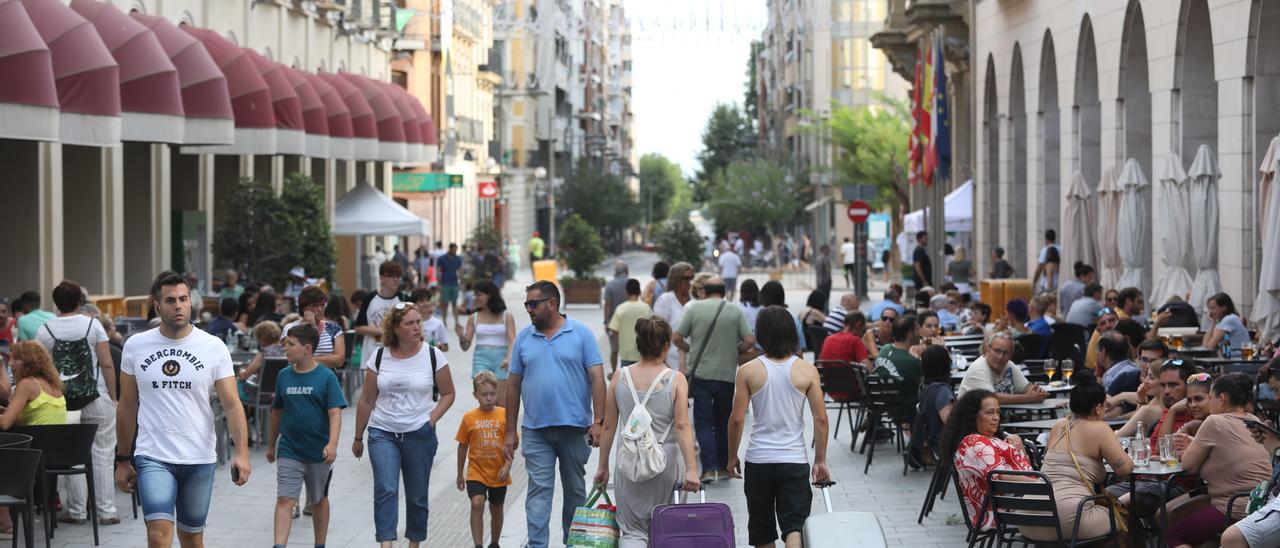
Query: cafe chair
942	472
975	536
67	451
11	440
1068	342
1231	502
1017	504
884	397
842	383
1032	346
262	396
1035	453
17	492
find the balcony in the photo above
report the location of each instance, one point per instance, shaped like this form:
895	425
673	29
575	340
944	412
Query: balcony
470	130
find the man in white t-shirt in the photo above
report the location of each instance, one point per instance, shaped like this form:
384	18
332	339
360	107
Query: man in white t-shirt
730	264
167	375
996	373
849	256
375	306
71	325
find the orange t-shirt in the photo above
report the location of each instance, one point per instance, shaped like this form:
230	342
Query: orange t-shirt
484	432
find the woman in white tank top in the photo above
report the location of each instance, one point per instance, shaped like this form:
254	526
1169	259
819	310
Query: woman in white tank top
493	331
777	385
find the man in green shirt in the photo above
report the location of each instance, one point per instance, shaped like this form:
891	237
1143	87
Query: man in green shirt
33	317
536	249
623	323
895	361
713	363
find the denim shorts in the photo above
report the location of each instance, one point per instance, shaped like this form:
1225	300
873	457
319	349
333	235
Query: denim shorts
489	358
165	489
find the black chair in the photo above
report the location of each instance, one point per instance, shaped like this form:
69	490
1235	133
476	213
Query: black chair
13	440
17	491
841	384
265	392
1035	453
815	336
975	535
1035	370
1032	345
68	451
884	401
937	485
1068	342
1031	504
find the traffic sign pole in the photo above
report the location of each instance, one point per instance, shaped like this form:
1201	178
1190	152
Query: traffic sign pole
858	211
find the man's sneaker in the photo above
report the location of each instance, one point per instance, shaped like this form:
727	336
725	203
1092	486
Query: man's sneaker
113	520
66	518
708	477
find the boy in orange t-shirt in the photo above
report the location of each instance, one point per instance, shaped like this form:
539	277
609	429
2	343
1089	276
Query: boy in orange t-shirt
482	436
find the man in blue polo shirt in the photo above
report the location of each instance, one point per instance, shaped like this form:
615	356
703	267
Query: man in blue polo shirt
556	366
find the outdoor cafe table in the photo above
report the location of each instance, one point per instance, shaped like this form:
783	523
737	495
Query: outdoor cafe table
1047	424
1047	408
1216	364
1156	470
1195	352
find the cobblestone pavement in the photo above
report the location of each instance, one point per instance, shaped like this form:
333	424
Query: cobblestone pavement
242	516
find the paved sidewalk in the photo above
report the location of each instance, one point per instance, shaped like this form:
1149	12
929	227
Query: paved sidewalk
242	516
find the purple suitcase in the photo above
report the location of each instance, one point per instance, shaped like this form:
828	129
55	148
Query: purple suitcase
693	525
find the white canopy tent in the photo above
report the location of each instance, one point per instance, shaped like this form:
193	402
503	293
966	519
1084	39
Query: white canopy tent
958	206
364	211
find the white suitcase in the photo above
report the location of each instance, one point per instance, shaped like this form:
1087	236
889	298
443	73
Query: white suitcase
841	529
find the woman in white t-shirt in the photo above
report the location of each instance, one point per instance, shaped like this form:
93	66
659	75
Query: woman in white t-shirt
1226	324
399	409
670	305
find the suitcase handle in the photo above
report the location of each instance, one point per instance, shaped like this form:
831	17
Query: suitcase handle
825	486
675	492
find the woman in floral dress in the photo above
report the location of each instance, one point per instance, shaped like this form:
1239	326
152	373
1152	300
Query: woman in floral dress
972	436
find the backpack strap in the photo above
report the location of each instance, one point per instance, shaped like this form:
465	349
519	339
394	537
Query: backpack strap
51	336
711	329
435	387
377	360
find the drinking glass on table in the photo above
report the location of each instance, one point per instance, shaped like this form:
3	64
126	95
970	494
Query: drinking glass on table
1067	369
1177	341
1247	351
1050	367
1167	455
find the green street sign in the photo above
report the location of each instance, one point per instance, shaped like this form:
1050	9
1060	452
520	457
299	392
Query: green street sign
424	182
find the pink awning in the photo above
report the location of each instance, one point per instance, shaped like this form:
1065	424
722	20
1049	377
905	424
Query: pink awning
314	119
255	131
28	95
427	130
364	125
290	127
86	76
205	99
412	127
149	92
390	126
341	134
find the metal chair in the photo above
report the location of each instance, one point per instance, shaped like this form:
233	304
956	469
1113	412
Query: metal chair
1032	345
937	485
884	396
265	393
1035	370
1031	504
67	451
13	440
17	491
1068	342
975	535
840	382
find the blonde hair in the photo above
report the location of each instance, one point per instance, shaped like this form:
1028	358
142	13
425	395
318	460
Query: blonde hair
36	362
392	320
699	281
484	378
267	331
960	254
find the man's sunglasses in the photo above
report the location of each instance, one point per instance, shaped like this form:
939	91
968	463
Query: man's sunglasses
533	305
1104	311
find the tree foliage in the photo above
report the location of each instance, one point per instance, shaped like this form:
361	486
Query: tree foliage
750	95
601	198
306	228
755	195
661	186
580	245
728	134
873	142
263	235
486	236
678	240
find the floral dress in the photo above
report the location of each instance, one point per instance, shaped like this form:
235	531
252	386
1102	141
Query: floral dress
975	457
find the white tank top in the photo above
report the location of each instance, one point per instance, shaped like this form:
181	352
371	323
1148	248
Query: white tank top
777	436
490	334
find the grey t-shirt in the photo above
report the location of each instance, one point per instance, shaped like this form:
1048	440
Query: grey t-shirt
615	293
1068	293
1083	311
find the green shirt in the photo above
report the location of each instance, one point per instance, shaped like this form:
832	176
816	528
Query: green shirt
624	324
720	360
30	323
893	362
536	247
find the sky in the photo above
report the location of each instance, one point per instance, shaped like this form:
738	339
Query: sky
687	55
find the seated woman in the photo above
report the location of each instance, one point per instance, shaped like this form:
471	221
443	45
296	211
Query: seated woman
37	393
936	401
1073	459
973	438
1019	313
1226	325
1225	455
267	333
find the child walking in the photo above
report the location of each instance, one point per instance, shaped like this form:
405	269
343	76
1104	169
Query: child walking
482	438
306	417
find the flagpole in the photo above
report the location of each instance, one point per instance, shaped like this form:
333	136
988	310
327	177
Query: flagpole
938	196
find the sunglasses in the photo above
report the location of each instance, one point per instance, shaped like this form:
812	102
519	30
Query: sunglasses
533	305
1199	377
1104	311
402	305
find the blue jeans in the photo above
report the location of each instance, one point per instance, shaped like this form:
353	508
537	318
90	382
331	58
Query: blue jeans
410	453
712	405
542	446
164	488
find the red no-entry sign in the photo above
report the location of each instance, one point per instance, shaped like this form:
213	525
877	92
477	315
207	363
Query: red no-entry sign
858	211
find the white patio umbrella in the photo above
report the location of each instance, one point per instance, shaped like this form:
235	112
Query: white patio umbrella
1108	216
1266	306
1204	229
1132	231
1266	180
1175	206
1078	227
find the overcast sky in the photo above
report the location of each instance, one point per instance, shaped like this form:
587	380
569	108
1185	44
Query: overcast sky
687	55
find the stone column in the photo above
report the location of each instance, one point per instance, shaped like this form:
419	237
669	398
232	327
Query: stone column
113	220
49	201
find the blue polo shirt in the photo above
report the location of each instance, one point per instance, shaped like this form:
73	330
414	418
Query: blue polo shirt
555	388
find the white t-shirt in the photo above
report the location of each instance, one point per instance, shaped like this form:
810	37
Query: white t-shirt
404	390
849	253
175	378
73	328
433	327
668	307
730	262
980	375
378	307
1044	252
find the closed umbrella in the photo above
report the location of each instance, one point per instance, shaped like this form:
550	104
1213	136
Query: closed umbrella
1078	231
1132	231
1266	306
1175	206
1266	181
1204	228
1108	220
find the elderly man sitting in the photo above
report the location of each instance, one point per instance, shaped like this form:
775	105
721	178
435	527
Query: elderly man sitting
993	371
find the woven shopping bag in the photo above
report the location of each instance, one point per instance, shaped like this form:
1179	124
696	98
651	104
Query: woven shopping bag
595	526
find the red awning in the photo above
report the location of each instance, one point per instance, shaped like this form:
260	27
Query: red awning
149	92
341	134
314	119
290	128
390	126
255	131
86	76
412	127
28	96
427	130
205	99
364	125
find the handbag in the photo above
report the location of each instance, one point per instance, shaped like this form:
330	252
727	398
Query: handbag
595	527
1120	511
